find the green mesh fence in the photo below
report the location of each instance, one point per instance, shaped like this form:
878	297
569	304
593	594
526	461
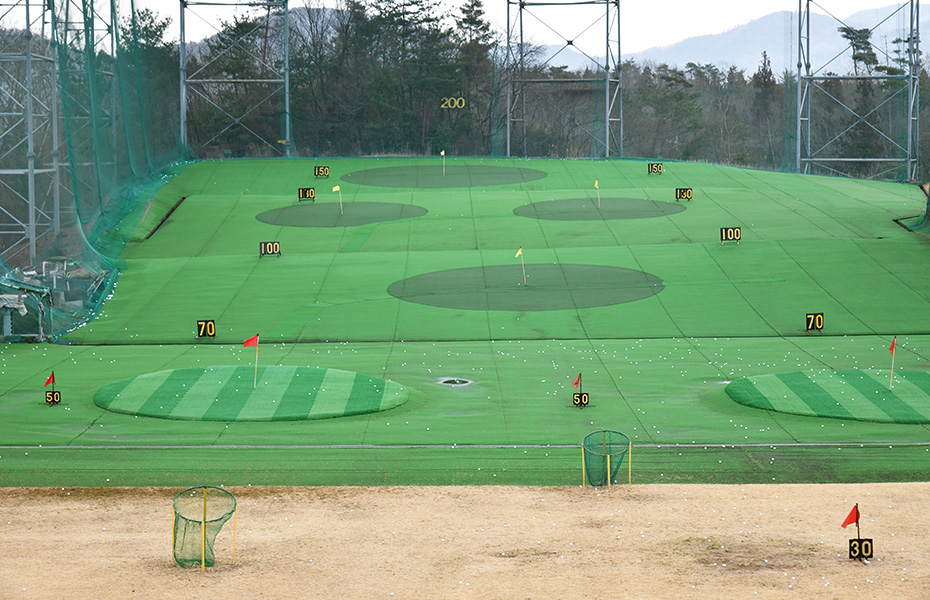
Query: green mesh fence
106	87
199	515
604	452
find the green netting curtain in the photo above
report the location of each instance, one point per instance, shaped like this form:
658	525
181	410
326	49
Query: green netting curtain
117	135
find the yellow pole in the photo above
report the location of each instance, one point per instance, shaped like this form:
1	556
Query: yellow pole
629	463
608	473
173	534
203	533
234	534
583	472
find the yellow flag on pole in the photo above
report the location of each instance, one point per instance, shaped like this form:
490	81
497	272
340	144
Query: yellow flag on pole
336	188
443	153
595	185
519	252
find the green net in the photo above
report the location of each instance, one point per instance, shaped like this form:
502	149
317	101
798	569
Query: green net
199	515
103	103
604	452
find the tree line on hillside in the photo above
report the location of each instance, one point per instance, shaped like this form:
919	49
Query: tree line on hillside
406	77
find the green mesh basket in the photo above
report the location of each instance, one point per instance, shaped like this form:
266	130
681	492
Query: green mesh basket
603	454
199	514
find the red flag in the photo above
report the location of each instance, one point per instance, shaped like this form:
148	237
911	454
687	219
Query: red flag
852	517
252	341
577	381
51	379
892	344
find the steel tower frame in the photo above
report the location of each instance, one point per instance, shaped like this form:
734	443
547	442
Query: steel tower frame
515	65
30	156
810	81
196	83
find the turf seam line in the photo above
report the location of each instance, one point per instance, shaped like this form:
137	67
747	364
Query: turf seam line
471	446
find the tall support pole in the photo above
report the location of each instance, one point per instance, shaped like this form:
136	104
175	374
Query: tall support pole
607	81
182	52
287	82
30	142
913	100
804	67
508	67
619	91
56	140
522	86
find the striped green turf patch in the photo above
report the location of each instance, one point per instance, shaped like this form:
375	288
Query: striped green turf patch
858	394
223	394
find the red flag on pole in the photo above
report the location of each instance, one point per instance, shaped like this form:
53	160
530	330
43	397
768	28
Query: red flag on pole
852	517
895	339
577	381
51	379
252	341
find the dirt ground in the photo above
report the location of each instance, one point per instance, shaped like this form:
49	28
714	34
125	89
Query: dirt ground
654	541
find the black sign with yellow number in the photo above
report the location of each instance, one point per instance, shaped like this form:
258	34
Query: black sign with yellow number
814	322
306	194
860	548
53	397
729	234
206	328
269	248
321	172
580	399
655	168
683	194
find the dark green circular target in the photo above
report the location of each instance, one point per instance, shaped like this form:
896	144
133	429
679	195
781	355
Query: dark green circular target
431	176
548	287
586	209
329	214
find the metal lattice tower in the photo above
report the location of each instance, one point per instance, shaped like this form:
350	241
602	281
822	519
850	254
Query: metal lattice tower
821	146
609	141
30	191
272	79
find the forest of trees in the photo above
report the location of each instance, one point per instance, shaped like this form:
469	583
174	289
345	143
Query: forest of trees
375	76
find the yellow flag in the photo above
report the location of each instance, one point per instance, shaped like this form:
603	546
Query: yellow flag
595	184
443	153
519	252
336	188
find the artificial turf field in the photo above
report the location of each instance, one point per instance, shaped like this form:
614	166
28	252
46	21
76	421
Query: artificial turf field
409	279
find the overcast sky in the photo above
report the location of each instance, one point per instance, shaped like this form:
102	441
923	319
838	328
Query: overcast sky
643	24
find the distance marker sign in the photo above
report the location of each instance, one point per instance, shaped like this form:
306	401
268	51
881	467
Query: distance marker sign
814	322
729	234
53	397
206	328
860	548
269	248
654	168
580	399
306	194
683	194
321	172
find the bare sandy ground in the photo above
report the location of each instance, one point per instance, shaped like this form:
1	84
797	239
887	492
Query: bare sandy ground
654	541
